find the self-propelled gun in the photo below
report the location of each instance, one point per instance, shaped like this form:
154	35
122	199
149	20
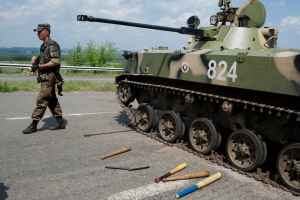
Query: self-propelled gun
230	76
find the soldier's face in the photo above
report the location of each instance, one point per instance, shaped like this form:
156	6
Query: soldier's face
43	34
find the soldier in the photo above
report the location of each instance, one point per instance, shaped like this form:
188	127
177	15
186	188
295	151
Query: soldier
49	64
226	4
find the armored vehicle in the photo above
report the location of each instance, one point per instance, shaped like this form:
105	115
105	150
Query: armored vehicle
230	76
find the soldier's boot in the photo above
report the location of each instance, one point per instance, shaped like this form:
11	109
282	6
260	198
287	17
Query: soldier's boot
59	124
31	128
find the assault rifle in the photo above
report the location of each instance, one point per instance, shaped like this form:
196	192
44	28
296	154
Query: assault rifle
35	65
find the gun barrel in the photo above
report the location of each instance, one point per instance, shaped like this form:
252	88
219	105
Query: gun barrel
182	30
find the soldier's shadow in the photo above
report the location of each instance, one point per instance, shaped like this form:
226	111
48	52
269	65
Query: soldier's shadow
49	122
3	193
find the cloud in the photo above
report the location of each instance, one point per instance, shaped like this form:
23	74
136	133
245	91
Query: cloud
290	21
119	13
279	3
21	16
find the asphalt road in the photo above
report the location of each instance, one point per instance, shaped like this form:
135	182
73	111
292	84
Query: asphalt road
65	164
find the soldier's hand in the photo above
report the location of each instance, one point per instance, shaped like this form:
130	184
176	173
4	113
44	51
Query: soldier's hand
33	59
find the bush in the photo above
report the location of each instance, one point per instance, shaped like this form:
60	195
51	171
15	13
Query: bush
92	55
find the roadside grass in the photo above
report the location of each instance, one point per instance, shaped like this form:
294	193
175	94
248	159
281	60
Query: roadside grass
72	85
89	85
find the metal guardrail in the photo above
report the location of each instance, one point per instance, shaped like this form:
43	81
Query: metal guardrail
22	66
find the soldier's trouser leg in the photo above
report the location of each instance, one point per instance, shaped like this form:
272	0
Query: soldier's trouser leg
54	105
46	97
56	111
41	105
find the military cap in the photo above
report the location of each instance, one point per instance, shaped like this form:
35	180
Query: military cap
42	27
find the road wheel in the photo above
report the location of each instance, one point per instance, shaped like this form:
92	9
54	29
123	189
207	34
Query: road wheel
203	136
170	126
126	94
288	166
245	150
145	117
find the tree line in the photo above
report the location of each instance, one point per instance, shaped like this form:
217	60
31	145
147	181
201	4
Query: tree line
92	55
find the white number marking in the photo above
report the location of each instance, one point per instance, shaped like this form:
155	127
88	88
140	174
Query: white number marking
212	73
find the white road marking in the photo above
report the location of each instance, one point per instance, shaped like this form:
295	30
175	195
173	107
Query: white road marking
149	190
75	114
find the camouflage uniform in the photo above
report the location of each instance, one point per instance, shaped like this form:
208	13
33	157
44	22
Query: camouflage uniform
48	77
49	51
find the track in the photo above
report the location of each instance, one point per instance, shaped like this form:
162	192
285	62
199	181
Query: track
214	157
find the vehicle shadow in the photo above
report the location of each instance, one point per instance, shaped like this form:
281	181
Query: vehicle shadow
122	118
3	193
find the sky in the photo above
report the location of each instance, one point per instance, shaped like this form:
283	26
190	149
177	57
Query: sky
18	18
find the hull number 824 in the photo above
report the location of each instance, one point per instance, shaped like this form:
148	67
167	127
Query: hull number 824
222	75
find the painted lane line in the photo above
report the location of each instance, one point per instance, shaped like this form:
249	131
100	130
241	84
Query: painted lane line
20	118
75	114
149	190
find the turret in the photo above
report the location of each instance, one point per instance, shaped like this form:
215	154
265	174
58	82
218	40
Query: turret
243	31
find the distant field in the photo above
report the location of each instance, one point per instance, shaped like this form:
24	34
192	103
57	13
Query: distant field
16	62
24	62
63	63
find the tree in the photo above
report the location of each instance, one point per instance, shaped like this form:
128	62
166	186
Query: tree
107	52
97	56
93	55
76	57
